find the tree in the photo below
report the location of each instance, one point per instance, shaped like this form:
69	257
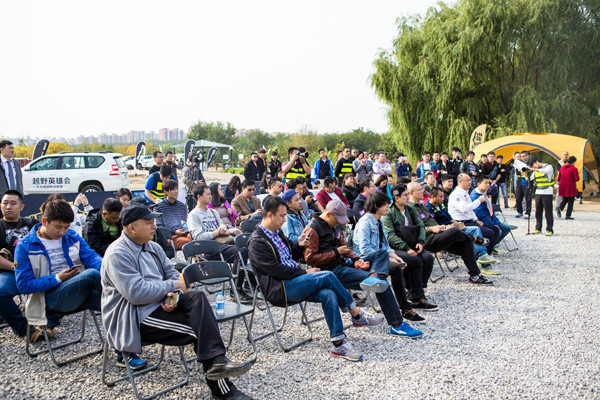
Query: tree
213	131
519	66
253	141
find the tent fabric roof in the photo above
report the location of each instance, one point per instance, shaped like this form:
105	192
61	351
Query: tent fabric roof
205	143
552	143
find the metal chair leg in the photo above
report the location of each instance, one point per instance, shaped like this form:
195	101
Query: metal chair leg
441	269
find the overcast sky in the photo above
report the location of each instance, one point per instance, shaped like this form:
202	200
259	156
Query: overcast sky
81	67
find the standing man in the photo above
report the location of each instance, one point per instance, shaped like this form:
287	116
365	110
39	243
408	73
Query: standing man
426	165
343	166
159	160
323	166
275	164
11	177
251	168
522	185
369	165
402	167
354	155
170	161
470	168
455	163
296	166
543	177
382	167
262	162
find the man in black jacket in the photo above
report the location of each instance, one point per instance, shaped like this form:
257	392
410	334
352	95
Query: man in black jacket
366	187
102	227
284	282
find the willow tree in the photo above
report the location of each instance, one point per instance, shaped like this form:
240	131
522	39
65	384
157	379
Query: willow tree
517	65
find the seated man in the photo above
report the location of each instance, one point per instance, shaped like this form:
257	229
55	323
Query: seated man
430	183
284	281
365	187
102	227
370	243
330	192
436	207
309	204
136	278
485	211
13	228
295	220
275	188
173	215
206	224
446	237
326	248
461	208
56	267
406	235
154	185
247	206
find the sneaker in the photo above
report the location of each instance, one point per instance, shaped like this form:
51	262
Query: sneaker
489	270
38	334
345	350
518	215
480	280
494	252
411	316
134	361
479	241
526	216
405	330
423	305
569	218
367	319
549	233
358	299
558	213
486	259
374	284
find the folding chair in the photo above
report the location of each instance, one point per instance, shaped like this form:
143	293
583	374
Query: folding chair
450	257
240	242
443	275
206	273
248	225
131	375
166	232
49	348
497	209
201	247
277	329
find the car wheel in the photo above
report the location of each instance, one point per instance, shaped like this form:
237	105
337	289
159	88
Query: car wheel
91	188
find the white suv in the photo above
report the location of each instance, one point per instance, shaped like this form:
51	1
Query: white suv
75	173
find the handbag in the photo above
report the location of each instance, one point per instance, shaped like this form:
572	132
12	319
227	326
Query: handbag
226	239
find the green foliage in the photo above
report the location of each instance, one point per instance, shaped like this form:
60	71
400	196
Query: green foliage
214	131
232	170
519	66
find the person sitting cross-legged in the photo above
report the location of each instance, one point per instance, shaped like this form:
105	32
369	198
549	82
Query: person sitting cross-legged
485	212
274	257
326	248
102	227
173	215
370	243
247	206
137	277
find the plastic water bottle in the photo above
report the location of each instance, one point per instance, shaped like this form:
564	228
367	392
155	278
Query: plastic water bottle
184	224
220	301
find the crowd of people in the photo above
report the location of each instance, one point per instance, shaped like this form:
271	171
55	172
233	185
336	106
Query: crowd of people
316	234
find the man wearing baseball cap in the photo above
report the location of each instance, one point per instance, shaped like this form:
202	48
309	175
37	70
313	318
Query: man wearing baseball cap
137	278
327	249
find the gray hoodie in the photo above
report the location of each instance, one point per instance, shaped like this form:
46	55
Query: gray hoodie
135	281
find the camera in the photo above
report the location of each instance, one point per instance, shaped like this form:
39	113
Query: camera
299	154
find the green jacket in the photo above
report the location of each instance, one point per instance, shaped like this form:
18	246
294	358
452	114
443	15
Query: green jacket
395	218
425	217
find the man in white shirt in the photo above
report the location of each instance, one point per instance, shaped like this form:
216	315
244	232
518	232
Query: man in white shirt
382	167
461	209
11	176
543	178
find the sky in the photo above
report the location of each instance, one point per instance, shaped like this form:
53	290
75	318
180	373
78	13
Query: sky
70	68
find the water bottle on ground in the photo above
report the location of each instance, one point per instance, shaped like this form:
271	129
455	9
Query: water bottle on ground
220	302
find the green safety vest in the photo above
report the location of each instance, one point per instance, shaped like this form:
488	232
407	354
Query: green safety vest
541	180
296	172
346	167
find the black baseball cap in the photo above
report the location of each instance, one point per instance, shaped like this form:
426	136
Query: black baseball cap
133	212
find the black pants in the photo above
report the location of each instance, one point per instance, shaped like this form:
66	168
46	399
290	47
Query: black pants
567	201
230	254
543	205
455	241
398	286
193	321
520	193
490	232
417	272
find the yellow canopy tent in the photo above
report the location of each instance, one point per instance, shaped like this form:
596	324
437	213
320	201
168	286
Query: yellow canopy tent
552	143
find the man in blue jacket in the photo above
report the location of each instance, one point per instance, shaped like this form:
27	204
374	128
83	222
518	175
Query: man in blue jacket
485	211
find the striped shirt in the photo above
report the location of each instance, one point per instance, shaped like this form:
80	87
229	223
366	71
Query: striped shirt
172	214
284	251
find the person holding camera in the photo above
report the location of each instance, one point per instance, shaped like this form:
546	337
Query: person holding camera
297	166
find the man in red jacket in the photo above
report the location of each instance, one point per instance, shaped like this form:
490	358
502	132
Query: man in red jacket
568	176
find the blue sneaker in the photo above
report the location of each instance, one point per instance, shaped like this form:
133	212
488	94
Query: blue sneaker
374	284
405	330
135	362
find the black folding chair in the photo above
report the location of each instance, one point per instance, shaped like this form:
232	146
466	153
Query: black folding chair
131	375
497	209
241	241
166	232
207	273
248	225
51	349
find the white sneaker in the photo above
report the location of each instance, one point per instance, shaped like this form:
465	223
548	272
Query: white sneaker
345	350
367	319
486	259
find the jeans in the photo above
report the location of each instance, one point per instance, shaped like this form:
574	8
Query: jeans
351	278
504	230
79	292
504	191
380	261
475	231
8	309
490	232
322	287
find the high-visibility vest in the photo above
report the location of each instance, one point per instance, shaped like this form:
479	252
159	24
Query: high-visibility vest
541	180
296	172
346	167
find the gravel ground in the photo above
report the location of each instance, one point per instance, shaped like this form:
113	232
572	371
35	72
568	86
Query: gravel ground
534	335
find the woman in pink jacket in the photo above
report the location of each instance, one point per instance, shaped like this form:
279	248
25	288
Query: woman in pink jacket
568	176
222	206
